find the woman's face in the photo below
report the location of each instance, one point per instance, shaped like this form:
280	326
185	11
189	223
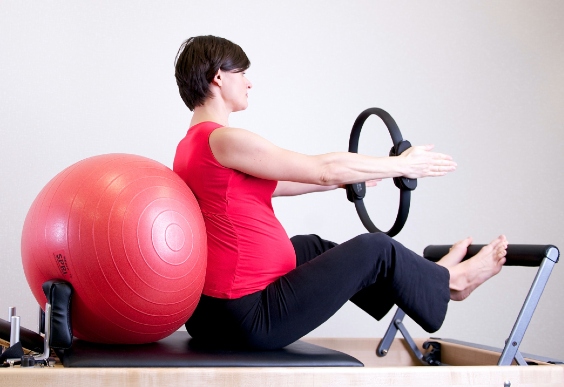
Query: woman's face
235	88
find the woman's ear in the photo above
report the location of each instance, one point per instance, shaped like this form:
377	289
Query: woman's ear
217	78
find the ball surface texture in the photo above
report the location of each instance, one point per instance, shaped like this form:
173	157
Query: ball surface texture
128	235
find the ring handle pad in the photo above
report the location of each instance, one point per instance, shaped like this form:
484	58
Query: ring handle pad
356	191
403	182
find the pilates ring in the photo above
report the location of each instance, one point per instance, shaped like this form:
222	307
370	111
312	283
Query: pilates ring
357	191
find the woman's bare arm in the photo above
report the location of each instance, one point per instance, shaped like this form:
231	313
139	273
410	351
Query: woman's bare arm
291	188
249	153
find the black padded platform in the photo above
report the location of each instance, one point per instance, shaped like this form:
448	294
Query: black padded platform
179	350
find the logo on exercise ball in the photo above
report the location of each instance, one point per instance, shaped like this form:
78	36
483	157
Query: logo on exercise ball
61	261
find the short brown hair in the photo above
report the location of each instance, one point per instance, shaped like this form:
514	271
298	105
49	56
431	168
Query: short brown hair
199	59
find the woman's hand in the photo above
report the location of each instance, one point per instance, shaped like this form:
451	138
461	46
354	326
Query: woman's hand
419	162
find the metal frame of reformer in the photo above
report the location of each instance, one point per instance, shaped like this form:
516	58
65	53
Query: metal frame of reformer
45	322
511	350
47	334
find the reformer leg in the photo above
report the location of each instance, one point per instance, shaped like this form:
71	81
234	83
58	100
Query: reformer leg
388	338
395	325
432	357
511	349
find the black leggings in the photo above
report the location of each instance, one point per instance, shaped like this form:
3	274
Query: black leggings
372	270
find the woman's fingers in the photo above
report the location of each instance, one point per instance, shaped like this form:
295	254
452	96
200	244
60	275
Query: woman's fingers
373	183
424	163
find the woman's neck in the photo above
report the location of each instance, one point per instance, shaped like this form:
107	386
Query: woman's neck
210	112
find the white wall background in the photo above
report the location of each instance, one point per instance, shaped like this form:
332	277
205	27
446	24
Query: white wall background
483	80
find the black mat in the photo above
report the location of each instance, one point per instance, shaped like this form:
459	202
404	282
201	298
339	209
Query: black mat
179	350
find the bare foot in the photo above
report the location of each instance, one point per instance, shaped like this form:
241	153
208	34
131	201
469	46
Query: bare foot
468	275
456	253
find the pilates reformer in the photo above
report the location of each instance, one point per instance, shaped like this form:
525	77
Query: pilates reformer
309	361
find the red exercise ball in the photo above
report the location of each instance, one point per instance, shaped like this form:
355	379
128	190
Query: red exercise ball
129	236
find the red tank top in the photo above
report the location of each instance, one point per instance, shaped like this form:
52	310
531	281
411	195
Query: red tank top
247	246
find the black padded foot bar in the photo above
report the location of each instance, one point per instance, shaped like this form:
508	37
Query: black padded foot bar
179	350
517	255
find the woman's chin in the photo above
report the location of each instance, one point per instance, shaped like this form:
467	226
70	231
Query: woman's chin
241	108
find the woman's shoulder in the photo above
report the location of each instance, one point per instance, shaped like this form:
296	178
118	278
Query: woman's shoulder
230	133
